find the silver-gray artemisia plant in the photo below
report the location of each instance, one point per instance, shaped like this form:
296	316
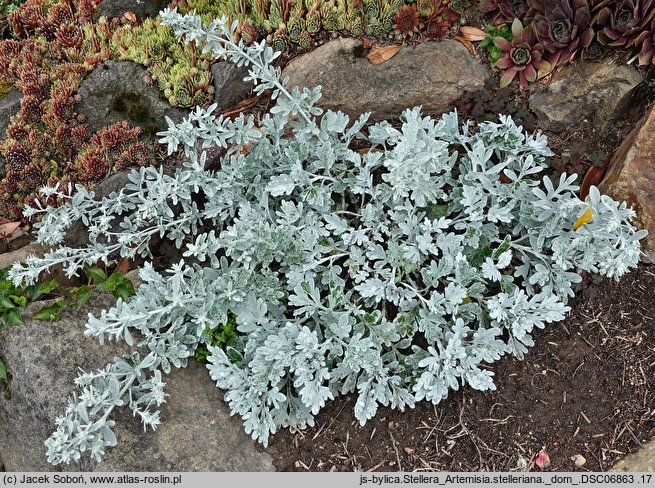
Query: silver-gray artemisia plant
398	273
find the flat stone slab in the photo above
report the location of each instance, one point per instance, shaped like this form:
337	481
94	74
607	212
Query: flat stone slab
9	106
197	432
432	74
640	461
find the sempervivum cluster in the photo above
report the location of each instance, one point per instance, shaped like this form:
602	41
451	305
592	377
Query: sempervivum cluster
621	22
17	156
522	56
406	20
111	149
28	19
57	43
505	10
563	27
646	42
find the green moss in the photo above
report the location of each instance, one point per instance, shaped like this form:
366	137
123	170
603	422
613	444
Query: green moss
359	52
150	129
136	111
139	112
124	101
118	104
4	89
222	336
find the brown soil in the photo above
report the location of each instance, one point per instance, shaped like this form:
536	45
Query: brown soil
584	389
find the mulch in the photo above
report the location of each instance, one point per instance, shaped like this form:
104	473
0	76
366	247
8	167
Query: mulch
585	389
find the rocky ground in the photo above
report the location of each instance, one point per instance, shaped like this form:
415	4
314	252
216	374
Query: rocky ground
584	394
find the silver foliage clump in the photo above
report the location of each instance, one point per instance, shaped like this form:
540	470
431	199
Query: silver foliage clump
399	273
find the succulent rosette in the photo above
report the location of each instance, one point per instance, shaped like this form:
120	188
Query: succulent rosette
646	41
508	10
593	52
522	56
563	27
621	22
406	21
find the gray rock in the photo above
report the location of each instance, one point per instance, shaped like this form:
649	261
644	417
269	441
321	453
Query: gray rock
141	8
582	91
641	461
20	255
117	91
432	74
228	84
196	434
9	106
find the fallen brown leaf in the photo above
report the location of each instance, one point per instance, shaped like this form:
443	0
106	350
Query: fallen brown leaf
130	16
381	54
240	107
367	150
8	228
466	43
123	267
473	33
367	42
504	178
593	177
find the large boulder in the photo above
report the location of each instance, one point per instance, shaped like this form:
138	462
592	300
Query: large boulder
115	9
631	177
117	91
229	87
9	106
594	92
432	74
640	461
197	432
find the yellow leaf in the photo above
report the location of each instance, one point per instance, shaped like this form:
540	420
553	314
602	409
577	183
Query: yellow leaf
381	54
473	33
583	219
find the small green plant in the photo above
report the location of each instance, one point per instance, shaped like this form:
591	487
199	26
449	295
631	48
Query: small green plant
5	380
224	337
13	298
493	52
